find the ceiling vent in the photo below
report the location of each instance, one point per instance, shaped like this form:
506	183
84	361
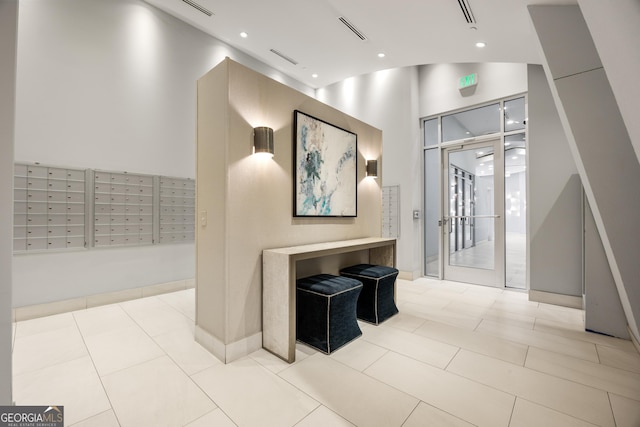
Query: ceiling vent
198	7
466	11
352	27
285	57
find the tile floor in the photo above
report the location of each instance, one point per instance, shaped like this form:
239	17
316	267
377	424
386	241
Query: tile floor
456	355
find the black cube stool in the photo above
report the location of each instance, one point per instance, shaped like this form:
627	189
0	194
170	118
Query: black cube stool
326	311
376	303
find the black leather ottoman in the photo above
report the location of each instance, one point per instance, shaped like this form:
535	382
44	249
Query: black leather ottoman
376	303
326	311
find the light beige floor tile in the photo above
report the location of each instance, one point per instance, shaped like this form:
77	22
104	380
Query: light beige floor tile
558	313
36	351
155	393
156	317
427	415
97	320
484	291
409	288
73	384
559	344
468	400
529	414
577	331
405	321
142	304
617	358
467	309
104	419
215	418
473	301
426	301
479	342
274	363
577	400
441	315
323	417
424	349
497	315
183	301
626	411
26	328
515	296
353	395
181	346
595	375
527	308
359	354
121	348
252	395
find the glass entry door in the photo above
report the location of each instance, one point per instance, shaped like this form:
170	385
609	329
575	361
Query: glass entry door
472	222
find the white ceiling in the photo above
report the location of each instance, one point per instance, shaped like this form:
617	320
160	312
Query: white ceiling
408	32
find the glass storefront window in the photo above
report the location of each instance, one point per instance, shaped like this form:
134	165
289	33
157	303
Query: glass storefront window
514	115
471	123
431	132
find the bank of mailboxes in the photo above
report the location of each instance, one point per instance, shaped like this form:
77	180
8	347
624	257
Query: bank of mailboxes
50	208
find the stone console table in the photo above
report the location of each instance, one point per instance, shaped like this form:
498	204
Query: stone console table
279	268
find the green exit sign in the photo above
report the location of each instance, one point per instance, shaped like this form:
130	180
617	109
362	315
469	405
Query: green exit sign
468	81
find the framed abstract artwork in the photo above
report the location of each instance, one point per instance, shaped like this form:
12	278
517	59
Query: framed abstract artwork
325	169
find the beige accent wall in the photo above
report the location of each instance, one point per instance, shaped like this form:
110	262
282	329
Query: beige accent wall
248	200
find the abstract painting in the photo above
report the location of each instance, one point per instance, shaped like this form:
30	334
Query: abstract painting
325	168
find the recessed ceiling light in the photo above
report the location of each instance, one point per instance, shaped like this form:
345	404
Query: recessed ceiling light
381	55
314	75
244	35
481	44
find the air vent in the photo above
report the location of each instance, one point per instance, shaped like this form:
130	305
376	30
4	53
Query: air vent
285	57
198	7
351	27
466	11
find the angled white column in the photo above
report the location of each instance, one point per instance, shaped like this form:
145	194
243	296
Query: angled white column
8	54
600	143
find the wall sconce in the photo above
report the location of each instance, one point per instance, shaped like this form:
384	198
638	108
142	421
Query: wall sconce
372	168
263	140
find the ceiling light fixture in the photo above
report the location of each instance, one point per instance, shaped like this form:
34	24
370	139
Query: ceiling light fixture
244	35
314	75
481	44
381	55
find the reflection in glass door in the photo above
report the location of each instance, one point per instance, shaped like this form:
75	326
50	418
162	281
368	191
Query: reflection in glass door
472	224
515	198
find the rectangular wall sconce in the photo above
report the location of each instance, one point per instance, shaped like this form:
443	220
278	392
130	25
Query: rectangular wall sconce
263	140
372	168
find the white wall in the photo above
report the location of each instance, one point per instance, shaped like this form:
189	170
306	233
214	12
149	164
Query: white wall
388	100
439	85
618	51
8	40
555	192
109	85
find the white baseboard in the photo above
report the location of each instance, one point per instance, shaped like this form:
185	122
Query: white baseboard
556	299
229	352
57	307
634	339
409	275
